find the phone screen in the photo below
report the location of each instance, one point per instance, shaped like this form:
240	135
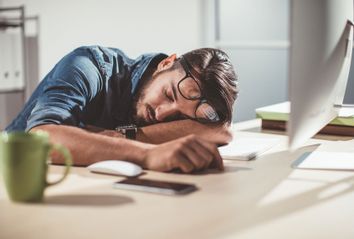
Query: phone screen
155	186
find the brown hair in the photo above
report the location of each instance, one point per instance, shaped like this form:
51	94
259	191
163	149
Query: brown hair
218	79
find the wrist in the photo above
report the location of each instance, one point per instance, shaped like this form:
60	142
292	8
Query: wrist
141	152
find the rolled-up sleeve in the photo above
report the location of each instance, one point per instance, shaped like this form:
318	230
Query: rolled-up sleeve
70	86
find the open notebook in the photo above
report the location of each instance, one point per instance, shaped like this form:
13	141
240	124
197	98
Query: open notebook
246	148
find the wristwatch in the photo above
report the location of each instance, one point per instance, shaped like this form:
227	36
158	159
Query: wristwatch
129	131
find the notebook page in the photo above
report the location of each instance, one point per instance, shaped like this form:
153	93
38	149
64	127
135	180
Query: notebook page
247	148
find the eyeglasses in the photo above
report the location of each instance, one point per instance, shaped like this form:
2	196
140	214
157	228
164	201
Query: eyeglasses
190	89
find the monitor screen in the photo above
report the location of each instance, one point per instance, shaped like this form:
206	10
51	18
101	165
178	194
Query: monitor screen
321	35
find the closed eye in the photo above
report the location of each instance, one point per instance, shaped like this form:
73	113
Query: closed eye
168	96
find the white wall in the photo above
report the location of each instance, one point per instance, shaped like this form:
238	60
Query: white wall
135	26
255	34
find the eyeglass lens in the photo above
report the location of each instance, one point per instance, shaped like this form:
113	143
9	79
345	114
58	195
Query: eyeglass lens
205	111
189	89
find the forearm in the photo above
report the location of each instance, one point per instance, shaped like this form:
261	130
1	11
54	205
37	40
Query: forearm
163	132
167	131
87	148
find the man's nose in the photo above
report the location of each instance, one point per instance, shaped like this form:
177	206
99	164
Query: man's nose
165	111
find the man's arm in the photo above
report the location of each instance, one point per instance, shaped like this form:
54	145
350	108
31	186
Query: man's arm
87	148
190	153
167	131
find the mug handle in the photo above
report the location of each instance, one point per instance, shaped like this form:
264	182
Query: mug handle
68	161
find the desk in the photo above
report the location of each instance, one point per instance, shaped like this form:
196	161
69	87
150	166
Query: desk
263	198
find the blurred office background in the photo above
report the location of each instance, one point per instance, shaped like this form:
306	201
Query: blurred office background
255	34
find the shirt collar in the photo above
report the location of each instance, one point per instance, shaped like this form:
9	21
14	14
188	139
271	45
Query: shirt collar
143	62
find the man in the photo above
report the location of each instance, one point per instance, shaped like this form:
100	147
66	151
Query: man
181	107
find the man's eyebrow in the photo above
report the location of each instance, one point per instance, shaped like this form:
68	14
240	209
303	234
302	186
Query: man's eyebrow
174	91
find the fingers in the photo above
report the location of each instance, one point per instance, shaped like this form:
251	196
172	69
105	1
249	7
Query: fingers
213	150
187	158
197	153
183	163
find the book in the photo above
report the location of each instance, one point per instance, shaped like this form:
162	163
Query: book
275	116
328	129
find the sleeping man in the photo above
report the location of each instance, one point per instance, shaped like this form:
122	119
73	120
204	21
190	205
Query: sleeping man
160	112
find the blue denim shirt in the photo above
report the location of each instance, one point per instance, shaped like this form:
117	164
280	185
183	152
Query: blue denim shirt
92	85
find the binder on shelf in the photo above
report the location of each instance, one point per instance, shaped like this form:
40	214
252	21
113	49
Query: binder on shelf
275	116
12	34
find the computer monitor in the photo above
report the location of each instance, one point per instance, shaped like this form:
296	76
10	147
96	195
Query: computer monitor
321	35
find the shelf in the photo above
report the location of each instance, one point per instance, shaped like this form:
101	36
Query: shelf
13	21
4	25
12	90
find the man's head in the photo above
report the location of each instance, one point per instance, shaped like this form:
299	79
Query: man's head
200	85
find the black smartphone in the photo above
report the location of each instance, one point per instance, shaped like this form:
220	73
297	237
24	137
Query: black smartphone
154	186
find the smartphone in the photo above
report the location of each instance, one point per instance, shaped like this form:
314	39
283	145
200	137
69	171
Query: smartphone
154	186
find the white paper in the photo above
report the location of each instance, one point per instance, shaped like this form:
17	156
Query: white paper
328	160
247	148
277	108
346	112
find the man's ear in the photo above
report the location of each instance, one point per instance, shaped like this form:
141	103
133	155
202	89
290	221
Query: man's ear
166	63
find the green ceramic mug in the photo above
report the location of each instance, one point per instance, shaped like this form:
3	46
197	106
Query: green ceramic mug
24	164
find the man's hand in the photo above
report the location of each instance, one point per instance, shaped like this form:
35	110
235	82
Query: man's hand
190	153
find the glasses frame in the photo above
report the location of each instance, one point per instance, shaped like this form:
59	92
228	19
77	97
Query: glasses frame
186	67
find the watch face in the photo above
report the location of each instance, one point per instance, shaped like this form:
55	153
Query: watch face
129	131
131	126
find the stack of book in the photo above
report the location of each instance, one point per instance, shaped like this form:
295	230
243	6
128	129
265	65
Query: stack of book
274	117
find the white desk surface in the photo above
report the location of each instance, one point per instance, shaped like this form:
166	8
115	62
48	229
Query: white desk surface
263	198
